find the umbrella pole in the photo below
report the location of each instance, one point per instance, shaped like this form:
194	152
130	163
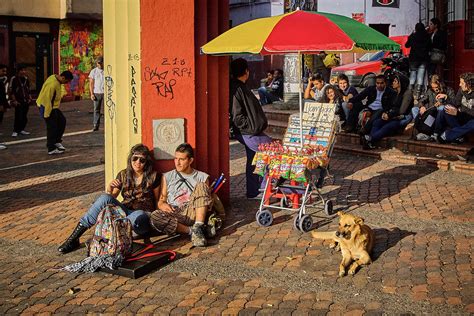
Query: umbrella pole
300	90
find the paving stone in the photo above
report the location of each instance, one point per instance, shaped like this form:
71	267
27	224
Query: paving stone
422	218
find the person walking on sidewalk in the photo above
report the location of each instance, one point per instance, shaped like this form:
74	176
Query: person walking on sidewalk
96	88
139	185
3	95
185	199
48	102
248	121
20	99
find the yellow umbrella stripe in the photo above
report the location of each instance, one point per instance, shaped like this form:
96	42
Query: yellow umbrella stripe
244	38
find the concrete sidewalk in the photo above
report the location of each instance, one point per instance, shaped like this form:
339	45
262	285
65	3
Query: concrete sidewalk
422	217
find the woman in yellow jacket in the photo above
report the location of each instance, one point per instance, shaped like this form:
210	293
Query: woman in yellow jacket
48	102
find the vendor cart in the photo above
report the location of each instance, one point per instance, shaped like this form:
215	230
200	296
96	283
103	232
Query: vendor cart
294	176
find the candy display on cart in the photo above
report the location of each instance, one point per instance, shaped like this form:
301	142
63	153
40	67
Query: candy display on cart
288	162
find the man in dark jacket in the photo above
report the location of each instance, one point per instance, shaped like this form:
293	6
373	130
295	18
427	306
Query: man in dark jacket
380	102
459	117
20	99
248	121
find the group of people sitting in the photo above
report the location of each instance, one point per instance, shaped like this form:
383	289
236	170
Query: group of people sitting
176	202
271	87
388	107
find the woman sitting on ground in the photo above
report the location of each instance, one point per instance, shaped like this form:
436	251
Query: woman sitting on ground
391	123
139	185
436	97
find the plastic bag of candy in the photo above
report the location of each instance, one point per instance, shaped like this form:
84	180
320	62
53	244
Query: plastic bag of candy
298	169
285	166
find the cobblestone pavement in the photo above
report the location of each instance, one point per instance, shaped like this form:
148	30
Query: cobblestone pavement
422	218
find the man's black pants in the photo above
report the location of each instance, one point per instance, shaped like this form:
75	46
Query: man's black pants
21	116
55	126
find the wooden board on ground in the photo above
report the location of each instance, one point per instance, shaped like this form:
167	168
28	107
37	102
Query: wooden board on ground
139	268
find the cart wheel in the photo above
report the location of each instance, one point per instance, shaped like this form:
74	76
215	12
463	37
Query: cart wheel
296	222
285	203
257	214
328	208
264	218
306	223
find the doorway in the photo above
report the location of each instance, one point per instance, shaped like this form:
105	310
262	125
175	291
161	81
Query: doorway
382	28
33	50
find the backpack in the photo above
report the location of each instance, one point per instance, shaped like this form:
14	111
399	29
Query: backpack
113	233
331	60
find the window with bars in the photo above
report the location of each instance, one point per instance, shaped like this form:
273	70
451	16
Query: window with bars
469	27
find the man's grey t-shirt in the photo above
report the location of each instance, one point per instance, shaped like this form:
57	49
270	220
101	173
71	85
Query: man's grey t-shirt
178	191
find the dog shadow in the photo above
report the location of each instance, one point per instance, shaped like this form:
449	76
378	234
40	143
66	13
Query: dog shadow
386	239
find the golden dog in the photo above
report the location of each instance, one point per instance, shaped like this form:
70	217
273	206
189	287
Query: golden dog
355	240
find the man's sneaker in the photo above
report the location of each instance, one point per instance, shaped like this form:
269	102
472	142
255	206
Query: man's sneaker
14	134
421	136
25	133
60	146
2	147
95	128
197	236
55	152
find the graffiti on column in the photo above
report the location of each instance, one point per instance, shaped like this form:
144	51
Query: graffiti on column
165	76
109	90
133	99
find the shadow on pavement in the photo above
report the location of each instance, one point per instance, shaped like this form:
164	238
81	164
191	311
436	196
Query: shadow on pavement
386	239
53	191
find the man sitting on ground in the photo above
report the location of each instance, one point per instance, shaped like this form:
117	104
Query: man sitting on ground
185	199
316	88
380	99
274	91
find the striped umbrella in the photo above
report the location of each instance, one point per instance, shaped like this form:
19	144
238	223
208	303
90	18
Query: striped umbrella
299	32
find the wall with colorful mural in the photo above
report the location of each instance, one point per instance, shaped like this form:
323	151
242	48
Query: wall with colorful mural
81	42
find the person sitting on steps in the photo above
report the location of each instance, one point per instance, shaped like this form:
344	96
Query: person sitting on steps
431	104
185	199
457	120
139	185
316	88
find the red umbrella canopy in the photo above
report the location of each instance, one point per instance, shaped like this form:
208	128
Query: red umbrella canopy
299	31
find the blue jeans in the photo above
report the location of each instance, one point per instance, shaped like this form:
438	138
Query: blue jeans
440	122
382	128
457	130
139	219
266	97
254	181
417	73
346	110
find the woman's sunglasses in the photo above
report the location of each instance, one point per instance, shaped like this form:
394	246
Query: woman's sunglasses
141	159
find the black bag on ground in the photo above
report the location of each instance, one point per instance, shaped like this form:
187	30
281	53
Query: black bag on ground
426	123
